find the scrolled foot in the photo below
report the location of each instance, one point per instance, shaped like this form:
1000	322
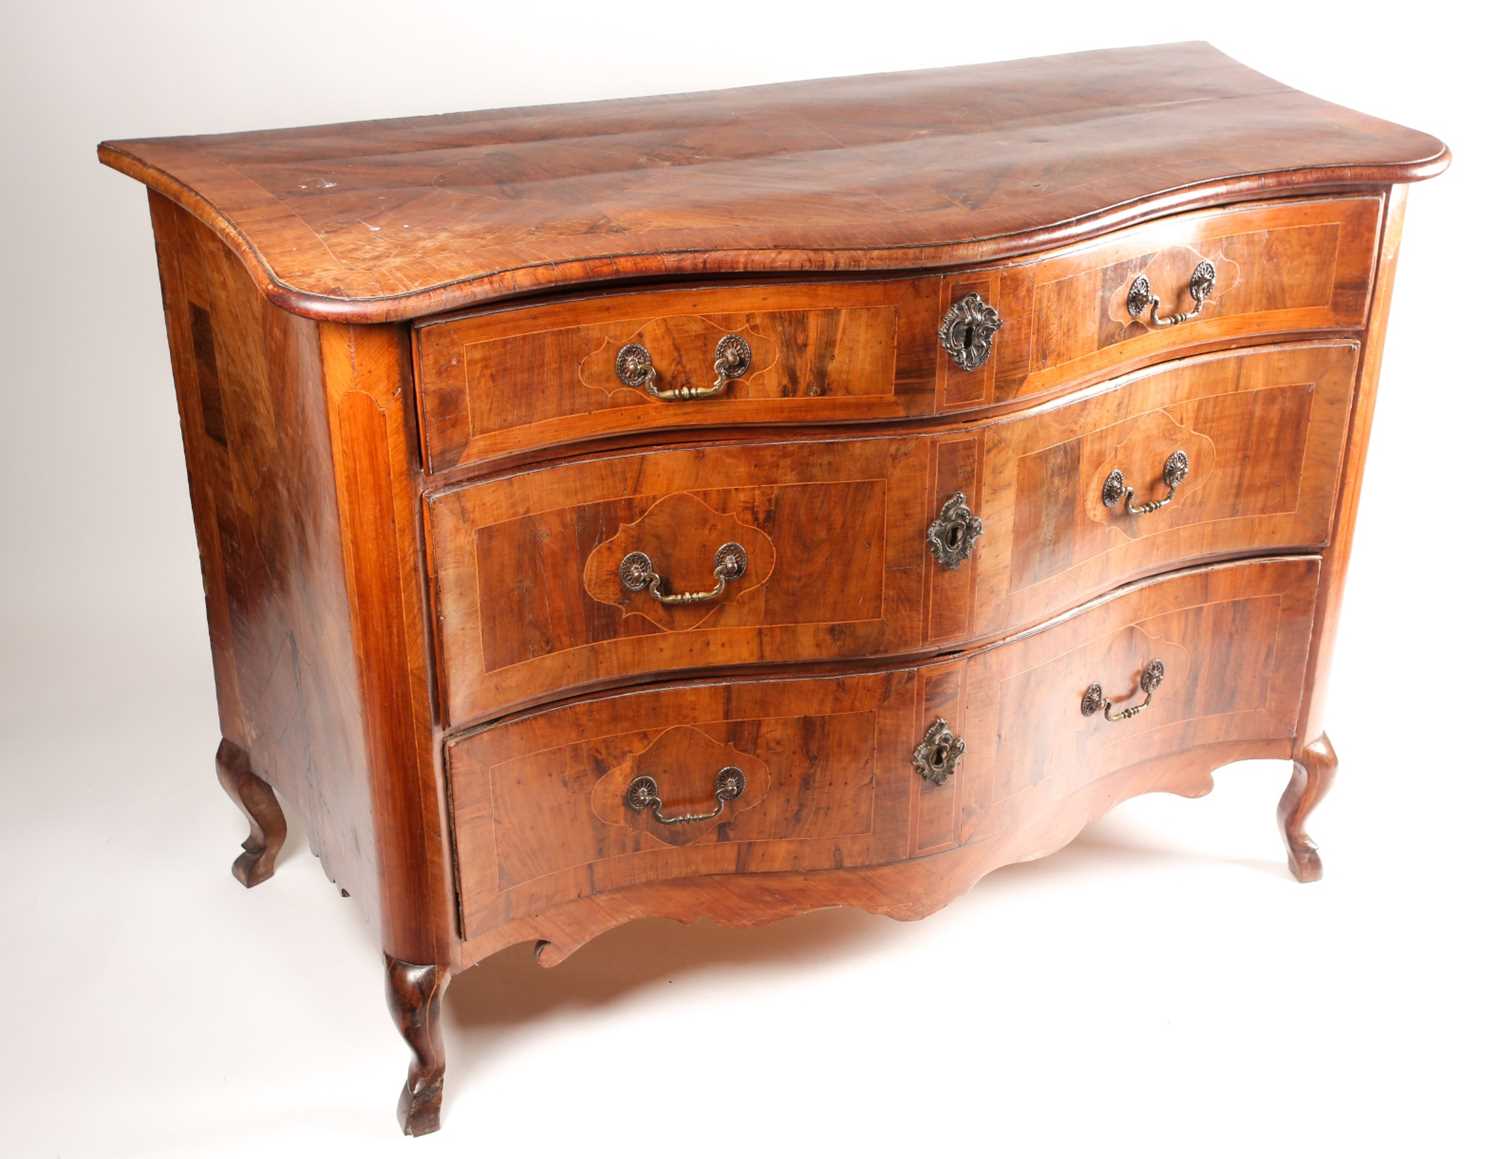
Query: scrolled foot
414	994
1312	775
258	803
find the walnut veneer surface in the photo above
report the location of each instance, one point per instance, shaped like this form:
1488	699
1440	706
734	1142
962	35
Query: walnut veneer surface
733	504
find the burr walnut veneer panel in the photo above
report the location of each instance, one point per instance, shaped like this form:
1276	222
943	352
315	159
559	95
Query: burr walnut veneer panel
729	505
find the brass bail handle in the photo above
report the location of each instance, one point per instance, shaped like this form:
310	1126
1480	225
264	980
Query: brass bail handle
1173	472
633	367
638	573
1151	679
642	794
1200	286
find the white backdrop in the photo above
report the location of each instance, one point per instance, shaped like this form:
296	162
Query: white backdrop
1162	987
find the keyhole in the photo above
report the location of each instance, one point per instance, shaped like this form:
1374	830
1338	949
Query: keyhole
940	756
969	336
955	535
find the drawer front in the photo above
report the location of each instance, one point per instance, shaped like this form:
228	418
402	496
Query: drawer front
511	380
532	599
530	594
520	378
1260	434
824	769
1281	267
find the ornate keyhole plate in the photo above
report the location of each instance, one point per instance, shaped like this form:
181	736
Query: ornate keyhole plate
968	330
937	757
952	535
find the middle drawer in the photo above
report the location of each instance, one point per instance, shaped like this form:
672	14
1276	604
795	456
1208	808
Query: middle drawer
624	566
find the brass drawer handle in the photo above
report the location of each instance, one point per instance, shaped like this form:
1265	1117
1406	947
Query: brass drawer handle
1151	677
638	573
633	367
642	794
1200	286
968	330
1173	472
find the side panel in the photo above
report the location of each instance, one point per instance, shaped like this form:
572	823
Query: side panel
260	471
1336	558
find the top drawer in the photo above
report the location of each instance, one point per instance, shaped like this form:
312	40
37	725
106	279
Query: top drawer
510	380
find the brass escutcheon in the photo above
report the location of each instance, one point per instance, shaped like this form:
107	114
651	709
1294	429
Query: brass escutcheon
938	755
952	535
967	331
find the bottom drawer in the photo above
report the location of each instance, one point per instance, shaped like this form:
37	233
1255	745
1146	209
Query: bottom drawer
837	772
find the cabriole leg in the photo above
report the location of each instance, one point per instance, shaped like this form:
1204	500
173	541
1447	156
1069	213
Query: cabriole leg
1312	775
258	803
415	995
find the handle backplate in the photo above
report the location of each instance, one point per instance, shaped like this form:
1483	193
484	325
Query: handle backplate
1173	473
638	573
1200	286
633	367
642	794
1151	679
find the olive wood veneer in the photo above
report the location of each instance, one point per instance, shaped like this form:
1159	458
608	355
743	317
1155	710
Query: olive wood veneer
735	504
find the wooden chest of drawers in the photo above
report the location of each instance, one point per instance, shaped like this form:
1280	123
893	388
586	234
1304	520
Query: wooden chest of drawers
820	494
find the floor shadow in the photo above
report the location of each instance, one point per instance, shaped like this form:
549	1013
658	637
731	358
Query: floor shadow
1109	845
509	989
510	992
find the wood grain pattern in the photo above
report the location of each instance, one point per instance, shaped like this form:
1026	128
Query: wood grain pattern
525	566
511	380
839	790
388	220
